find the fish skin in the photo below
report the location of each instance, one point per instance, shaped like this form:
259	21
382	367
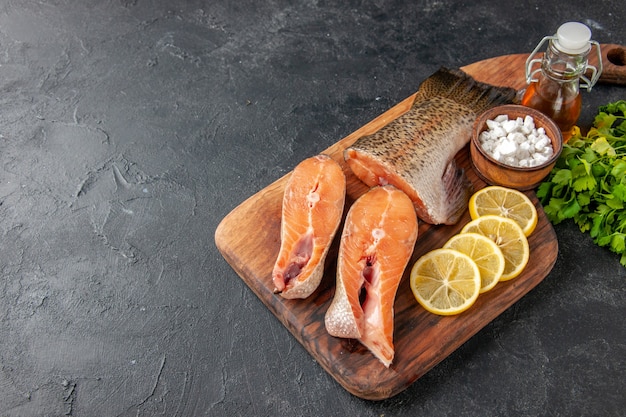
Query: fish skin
415	152
312	210
377	242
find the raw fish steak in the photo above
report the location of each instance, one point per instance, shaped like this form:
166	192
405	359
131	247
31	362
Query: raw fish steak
377	241
416	151
312	208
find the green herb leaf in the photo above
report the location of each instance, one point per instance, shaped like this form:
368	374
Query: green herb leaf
588	181
562	177
619	191
618	243
602	147
619	168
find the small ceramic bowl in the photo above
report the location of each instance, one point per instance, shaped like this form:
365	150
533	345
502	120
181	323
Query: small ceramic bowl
494	172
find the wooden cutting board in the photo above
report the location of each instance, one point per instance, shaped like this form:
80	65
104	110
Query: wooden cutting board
249	240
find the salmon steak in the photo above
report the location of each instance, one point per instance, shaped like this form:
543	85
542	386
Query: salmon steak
415	152
312	209
376	244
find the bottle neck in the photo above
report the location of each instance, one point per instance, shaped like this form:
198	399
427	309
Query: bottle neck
561	66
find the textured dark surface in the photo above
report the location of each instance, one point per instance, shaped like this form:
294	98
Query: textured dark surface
129	129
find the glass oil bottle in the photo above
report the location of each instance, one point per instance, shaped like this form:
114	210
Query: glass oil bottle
563	71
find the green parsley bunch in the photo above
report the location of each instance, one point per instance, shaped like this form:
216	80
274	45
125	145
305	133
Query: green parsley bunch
588	182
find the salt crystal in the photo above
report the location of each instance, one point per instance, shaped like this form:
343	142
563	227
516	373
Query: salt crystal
499	132
486	136
529	122
492	124
547	151
542	142
539	159
507	147
526	146
516	137
509	126
522	154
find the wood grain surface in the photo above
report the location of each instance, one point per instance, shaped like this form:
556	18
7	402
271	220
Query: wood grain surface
249	239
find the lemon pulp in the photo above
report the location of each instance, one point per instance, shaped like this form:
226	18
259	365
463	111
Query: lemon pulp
445	281
484	252
509	237
505	202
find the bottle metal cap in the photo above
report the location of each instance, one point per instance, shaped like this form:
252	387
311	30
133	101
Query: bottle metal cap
573	38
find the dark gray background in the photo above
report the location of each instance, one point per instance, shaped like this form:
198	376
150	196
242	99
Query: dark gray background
129	129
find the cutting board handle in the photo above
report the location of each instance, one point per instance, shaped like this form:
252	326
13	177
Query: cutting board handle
613	63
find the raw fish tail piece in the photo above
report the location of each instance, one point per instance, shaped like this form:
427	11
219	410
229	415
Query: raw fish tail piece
312	209
377	241
415	152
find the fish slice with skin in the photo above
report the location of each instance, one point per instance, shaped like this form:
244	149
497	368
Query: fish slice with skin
415	152
377	241
312	209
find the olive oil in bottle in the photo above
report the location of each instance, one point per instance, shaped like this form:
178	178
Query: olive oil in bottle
555	91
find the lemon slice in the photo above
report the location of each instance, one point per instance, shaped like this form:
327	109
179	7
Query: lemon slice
509	237
445	281
505	202
484	252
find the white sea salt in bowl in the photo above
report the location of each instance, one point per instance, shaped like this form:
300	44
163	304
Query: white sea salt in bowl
514	146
